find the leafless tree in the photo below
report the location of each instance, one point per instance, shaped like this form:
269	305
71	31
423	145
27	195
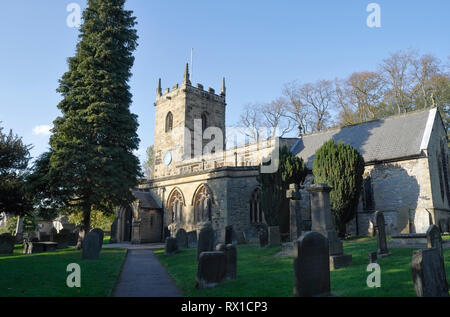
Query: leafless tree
395	72
274	118
296	111
250	122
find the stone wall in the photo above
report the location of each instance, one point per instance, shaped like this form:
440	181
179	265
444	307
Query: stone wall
230	190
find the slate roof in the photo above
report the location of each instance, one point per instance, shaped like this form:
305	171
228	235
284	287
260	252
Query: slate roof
146	199
386	139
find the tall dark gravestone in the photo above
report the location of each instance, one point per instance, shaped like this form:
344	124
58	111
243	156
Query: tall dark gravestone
322	221
428	272
205	240
380	226
295	215
434	239
311	265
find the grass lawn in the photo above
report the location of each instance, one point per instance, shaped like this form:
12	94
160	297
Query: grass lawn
45	274
260	273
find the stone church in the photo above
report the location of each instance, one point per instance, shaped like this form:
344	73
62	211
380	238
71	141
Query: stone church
406	175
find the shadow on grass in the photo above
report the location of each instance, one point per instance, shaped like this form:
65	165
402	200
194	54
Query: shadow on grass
261	273
44	274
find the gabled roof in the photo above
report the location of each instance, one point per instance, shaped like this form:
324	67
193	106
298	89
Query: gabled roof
378	140
146	199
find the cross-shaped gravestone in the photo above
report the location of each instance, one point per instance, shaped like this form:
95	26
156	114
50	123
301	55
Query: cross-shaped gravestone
293	194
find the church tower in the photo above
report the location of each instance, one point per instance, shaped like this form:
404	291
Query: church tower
178	111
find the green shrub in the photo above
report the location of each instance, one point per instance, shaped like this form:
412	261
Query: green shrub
341	167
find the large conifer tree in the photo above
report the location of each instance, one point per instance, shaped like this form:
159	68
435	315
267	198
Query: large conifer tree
91	162
341	167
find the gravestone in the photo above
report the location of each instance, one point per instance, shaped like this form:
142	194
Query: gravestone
192	239
403	220
205	240
114	231
73	238
428	272
231	259
274	236
62	238
323	223
182	240
380	226
373	257
443	224
311	265
43	237
211	269
6	243
91	246
434	239
100	235
229	234
53	234
295	215
263	237
171	246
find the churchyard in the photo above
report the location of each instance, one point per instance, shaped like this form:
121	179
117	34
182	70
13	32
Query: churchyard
45	274
260	272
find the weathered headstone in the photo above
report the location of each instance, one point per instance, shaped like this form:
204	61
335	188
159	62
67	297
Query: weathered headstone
73	238
43	237
323	223
263	237
192	239
181	237
229	234
211	269
403	220
91	246
311	265
380	226
428	272
295	215
171	246
62	238
434	239
205	240
231	259
53	234
443	224
114	230
274	236
101	236
6	243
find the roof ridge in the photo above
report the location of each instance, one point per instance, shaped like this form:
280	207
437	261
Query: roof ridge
394	116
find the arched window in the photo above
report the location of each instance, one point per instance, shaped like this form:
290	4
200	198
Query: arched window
175	205
204	122
202	205
256	214
169	122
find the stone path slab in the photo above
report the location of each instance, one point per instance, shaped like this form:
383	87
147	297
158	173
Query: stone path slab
143	276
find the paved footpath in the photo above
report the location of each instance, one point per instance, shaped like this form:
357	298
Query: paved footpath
142	274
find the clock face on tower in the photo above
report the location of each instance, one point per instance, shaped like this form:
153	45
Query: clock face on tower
168	158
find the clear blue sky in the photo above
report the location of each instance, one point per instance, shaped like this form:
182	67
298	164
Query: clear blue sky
257	45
